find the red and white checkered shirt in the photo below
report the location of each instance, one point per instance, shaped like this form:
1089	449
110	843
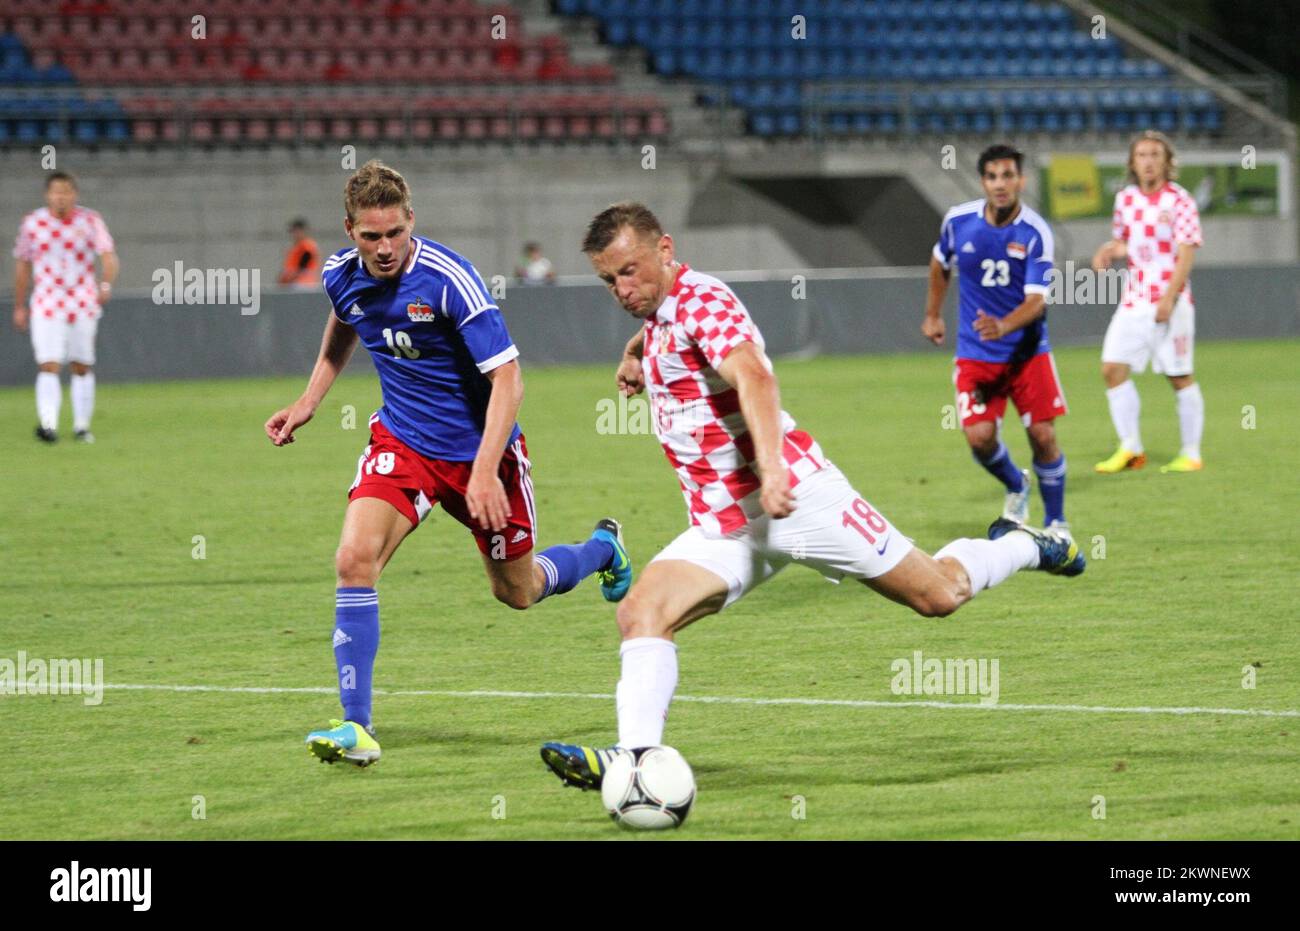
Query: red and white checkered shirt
62	253
1153	226
697	414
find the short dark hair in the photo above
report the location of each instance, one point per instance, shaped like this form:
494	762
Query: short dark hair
297	223
605	226
1000	151
60	176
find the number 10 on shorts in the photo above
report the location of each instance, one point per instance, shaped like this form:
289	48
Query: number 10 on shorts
872	519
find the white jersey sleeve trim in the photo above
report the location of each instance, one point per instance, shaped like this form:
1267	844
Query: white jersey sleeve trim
500	359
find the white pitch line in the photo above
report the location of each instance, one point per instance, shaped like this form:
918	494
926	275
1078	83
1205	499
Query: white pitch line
723	700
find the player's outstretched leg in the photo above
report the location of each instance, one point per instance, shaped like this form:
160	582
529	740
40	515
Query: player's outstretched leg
1057	552
523	581
669	595
936	586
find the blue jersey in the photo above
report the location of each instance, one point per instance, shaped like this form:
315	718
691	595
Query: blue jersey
998	266
433	333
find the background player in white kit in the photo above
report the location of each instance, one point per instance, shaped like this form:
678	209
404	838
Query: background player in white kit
759	492
1158	227
56	249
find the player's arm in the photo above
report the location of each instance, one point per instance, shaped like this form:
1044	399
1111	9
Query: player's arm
1025	313
1109	252
335	350
485	496
22	281
629	377
932	326
109	267
1182	268
745	369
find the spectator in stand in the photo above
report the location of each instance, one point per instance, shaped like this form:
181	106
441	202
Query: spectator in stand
302	261
536	268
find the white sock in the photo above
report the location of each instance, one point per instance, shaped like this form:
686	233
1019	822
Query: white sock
49	396
992	562
82	389
1125	407
1191	418
646	689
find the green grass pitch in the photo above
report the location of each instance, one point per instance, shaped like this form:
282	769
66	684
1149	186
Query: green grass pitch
1198	582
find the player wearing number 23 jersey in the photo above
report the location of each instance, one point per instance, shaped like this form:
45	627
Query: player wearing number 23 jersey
1002	251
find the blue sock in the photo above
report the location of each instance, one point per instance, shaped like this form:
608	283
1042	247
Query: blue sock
566	566
1002	468
356	641
1051	483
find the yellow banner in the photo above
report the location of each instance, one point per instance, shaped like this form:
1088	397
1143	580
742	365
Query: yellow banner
1074	186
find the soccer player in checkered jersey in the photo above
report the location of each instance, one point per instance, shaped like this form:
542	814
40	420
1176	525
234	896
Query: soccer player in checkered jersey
760	493
1003	251
446	434
1158	227
55	250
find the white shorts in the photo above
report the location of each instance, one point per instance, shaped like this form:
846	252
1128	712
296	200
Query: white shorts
56	340
1133	337
833	530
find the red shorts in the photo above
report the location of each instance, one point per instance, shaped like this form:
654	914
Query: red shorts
391	471
983	389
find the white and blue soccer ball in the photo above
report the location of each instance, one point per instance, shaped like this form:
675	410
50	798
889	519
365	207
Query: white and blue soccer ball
648	789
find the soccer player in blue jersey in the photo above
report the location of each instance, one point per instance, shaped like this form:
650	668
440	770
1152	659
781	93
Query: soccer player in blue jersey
1003	253
446	434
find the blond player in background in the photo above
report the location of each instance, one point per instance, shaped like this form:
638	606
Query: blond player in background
56	249
1157	226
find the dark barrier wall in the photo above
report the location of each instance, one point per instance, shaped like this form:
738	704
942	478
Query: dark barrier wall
141	341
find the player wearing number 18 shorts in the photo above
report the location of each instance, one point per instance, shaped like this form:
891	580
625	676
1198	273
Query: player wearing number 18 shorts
760	493
1003	252
446	434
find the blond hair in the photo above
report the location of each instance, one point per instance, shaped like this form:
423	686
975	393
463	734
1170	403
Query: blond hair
374	184
1171	158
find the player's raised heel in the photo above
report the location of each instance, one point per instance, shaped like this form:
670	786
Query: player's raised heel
616	578
344	740
1121	460
1016	506
580	767
1057	554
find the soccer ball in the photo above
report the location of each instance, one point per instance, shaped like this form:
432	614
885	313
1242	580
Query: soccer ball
649	789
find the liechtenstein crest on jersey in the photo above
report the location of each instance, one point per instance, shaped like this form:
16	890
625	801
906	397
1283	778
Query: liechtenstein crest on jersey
419	311
1016	250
